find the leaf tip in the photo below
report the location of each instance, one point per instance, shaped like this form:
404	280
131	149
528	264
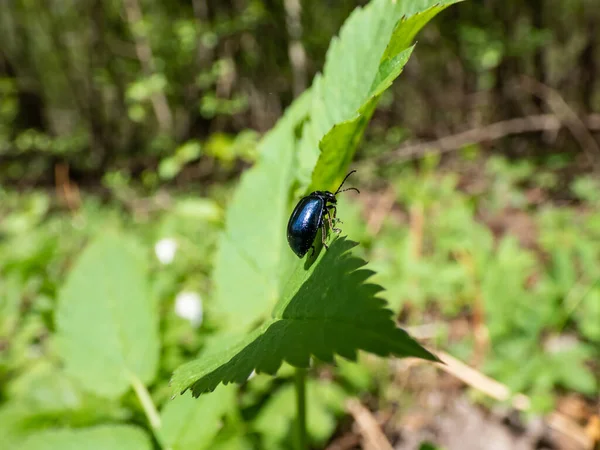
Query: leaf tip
433	357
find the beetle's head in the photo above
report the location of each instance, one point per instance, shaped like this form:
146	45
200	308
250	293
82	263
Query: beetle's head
328	196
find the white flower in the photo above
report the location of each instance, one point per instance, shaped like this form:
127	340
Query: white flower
188	305
165	250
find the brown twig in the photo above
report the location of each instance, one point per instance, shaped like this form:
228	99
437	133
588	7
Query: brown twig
481	382
592	428
344	442
373	437
529	124
568	117
568	427
498	391
65	189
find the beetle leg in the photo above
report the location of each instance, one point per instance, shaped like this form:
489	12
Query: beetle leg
334	209
324	236
329	219
332	222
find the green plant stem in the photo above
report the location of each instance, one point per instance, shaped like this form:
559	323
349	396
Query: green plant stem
300	381
146	402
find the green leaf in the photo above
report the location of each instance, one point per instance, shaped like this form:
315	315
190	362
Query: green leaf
107	327
113	437
235	442
48	392
189	423
588	315
43	396
253	257
371	51
14	417
10	302
248	266
44	387
571	371
356	374
326	310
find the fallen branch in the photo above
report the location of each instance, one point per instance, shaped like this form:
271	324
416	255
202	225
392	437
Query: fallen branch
373	437
346	442
568	117
481	382
498	391
498	130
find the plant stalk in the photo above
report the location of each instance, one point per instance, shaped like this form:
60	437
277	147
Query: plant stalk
300	381
147	404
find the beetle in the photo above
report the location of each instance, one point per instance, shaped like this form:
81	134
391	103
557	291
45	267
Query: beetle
309	215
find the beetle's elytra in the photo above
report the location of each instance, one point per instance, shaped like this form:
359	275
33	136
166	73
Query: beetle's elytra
309	215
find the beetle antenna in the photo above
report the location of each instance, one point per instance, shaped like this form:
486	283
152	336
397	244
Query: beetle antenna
343	181
347	189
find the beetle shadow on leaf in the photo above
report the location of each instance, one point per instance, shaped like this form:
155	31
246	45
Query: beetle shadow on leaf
311	257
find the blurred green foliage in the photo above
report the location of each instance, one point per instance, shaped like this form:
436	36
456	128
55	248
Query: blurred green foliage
538	286
77	87
534	269
127	84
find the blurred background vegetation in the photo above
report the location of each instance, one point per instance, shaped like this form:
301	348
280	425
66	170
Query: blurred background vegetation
144	88
141	114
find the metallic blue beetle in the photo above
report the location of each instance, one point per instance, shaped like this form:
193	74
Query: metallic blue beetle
308	216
